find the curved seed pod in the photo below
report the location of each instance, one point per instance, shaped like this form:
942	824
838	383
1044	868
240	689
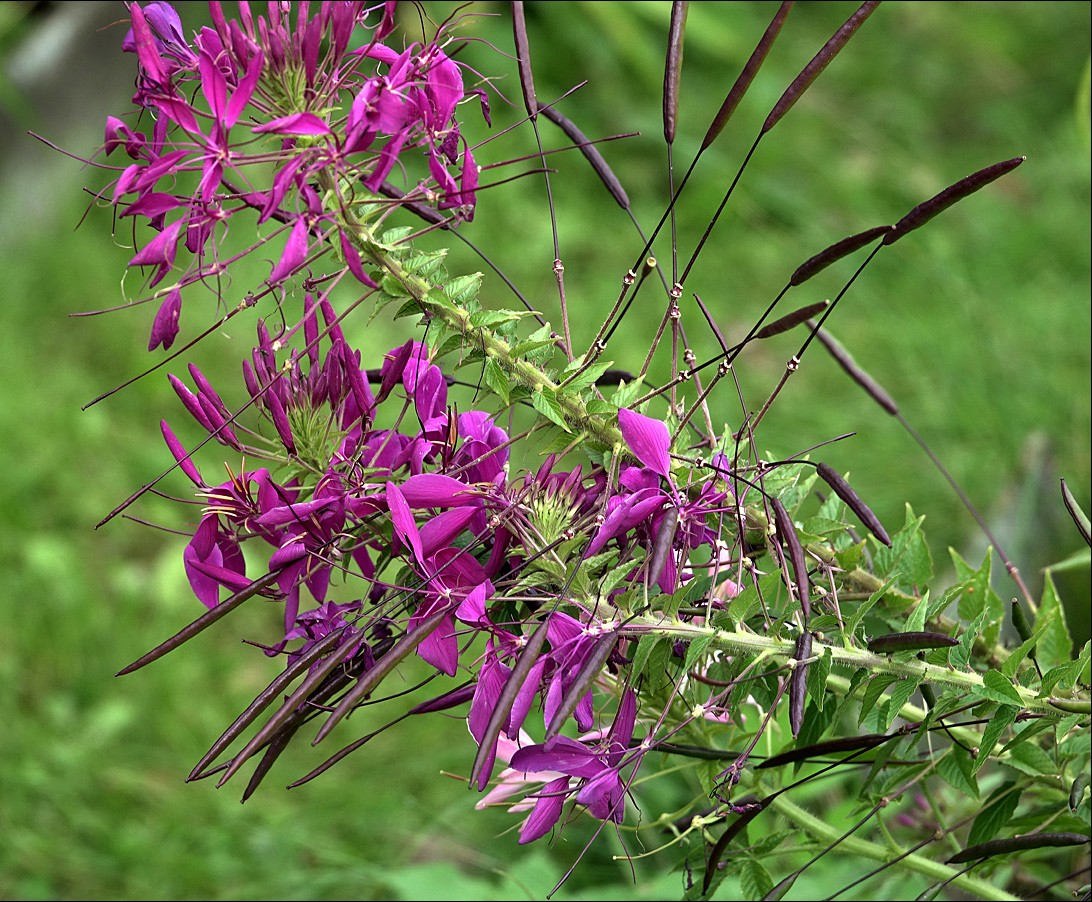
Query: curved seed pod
791	319
1073	705
372	677
591	154
524	663
819	62
523	58
1023	628
266	696
858	375
798	686
1019	844
819	749
778	892
937	204
788	535
589	671
815	265
661	548
844	491
1076	513
1076	791
893	642
726	837
204	621
743	82
673	67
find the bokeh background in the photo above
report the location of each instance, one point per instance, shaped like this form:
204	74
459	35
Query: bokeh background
978	325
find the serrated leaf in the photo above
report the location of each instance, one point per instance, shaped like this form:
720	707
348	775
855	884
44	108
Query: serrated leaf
900	695
974	582
695	650
496	379
645	646
817	677
597	407
626	392
907	562
463	289
916	621
754	880
999	808
858	615
955	769
1031	759
659	664
1001	721
961	654
1056	644
998	688
546	404
524	348
875	689
589	376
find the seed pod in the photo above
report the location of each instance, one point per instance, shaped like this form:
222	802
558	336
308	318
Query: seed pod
787	533
591	154
1073	705
778	892
673	67
1018	844
791	319
836	252
937	204
858	375
798	687
844	491
661	547
1076	791
819	62
1076	513
743	82
893	642
523	58
928	695
819	749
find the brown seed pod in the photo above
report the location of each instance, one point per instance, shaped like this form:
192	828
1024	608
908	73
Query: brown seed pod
1018	844
673	67
743	82
844	491
819	749
791	319
523	58
798	687
858	375
787	533
1076	513
937	204
814	265
819	62
591	154
893	642
661	547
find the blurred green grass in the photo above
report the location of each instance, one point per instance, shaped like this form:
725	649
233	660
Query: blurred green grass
978	325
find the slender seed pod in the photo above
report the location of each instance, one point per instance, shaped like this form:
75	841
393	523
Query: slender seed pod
820	749
1076	513
1073	705
661	547
1076	791
730	833
844	491
523	58
778	892
591	154
798	687
374	676
937	204
673	67
589	672
815	265
928	696
792	319
743	82
1019	844
893	642
787	533
858	375
204	621
819	62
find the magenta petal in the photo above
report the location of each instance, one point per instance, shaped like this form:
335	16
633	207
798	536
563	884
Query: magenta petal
546	812
295	252
296	124
648	439
165	326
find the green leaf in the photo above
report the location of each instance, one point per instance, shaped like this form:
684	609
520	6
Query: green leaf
645	646
1056	644
858	615
998	688
496	379
955	769
876	686
1010	667
546	403
961	654
463	289
900	695
626	392
1000	721
1031	759
695	650
754	880
907	561
999	808
817	678
915	623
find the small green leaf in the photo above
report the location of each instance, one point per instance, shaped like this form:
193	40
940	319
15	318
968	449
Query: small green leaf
546	403
1056	644
875	689
645	647
998	688
754	880
1000	721
695	650
900	695
1032	760
996	813
955	769
496	379
817	678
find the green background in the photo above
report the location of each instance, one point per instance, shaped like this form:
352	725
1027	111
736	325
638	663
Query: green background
978	325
